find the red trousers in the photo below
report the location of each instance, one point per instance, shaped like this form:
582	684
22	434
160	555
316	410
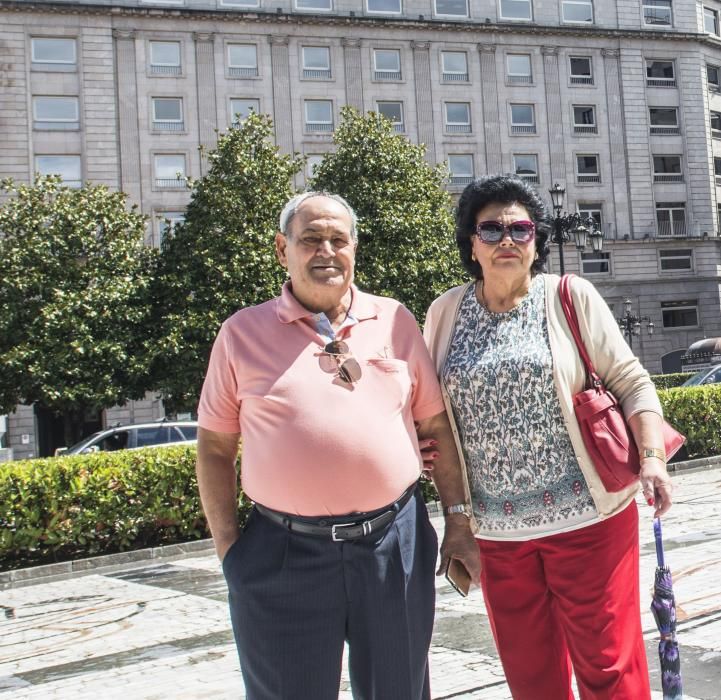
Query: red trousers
570	598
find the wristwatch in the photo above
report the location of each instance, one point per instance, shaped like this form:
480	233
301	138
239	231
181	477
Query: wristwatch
462	508
653	452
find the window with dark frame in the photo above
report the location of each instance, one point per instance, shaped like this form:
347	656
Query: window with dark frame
679	314
671	219
581	68
663	121
660	73
596	263
675	259
657	13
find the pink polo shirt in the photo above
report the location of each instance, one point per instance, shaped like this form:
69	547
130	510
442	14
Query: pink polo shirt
312	444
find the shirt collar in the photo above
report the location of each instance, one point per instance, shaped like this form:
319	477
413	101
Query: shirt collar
289	309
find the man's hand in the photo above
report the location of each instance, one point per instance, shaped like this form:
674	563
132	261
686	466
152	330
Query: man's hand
656	485
459	543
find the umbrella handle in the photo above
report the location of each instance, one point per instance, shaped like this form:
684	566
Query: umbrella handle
659	541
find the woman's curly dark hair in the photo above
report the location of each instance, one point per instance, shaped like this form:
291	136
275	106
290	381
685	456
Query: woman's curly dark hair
500	189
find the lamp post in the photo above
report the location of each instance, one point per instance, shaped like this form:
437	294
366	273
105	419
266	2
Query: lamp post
572	226
631	324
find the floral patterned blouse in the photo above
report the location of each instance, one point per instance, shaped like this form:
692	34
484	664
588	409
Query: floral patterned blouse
524	477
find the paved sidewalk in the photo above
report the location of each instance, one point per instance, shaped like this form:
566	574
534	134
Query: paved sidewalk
161	630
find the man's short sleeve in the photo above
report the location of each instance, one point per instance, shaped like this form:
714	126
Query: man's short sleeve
219	406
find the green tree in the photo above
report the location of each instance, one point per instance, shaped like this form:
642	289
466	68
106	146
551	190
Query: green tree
406	245
222	258
74	311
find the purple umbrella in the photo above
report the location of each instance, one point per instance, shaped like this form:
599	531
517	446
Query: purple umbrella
663	607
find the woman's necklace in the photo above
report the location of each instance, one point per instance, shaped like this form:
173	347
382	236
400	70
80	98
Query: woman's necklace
484	303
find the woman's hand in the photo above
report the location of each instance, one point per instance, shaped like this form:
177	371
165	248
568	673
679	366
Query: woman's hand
429	453
656	485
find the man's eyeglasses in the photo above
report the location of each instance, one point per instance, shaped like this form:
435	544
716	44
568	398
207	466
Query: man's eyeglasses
494	231
348	368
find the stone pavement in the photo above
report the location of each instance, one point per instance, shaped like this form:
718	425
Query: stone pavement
161	629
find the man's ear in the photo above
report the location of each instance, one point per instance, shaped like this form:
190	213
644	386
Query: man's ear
280	244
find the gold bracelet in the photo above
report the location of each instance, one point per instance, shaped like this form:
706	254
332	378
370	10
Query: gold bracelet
653	452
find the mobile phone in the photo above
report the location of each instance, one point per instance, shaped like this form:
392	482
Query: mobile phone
457	575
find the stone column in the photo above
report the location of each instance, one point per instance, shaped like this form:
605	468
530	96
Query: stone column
353	64
554	114
616	137
205	92
282	108
424	97
128	132
491	121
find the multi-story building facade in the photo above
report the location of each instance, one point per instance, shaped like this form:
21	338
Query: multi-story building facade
618	102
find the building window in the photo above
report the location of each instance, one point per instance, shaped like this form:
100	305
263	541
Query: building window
55	113
584	119
243	60
325	5
516	9
47	52
671	219
457	117
675	259
461	168
451	8
167	221
663	120
168	114
587	169
716	124
713	77
318	115
578	11
594	211
710	21
165	57
525	165
67	167
387	7
311	163
316	62
240	3
679	314
392	111
169	171
523	119
454	66
241	107
657	13
660	74
387	64
717	169
667	169
581	70
519	70
596	263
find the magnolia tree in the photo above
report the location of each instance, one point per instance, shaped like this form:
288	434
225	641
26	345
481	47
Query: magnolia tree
406	243
222	257
74	308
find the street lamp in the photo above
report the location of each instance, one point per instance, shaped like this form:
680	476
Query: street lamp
573	226
631	324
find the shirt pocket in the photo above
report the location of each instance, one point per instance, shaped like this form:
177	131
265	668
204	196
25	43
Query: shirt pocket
390	381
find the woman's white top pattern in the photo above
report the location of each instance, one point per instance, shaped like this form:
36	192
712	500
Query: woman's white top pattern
524	477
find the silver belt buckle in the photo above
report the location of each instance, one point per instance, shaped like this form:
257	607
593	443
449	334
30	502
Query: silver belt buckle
334	532
366	527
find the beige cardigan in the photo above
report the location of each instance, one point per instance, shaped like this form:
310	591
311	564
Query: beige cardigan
614	361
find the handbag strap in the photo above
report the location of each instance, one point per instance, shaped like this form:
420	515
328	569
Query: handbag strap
592	377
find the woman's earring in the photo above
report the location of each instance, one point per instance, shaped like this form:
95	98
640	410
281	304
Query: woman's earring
473	256
536	256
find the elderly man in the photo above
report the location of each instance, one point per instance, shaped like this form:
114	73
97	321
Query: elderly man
327	385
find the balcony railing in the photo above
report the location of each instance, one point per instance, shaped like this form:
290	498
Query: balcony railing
581	80
168	126
661	82
316	74
243	72
523	128
170	183
387	75
668	177
533	179
519	79
455	77
461	180
164	70
677	229
665	130
585	129
585	179
399	127
319	126
458	128
56	126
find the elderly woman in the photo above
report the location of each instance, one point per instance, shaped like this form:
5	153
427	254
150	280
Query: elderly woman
559	553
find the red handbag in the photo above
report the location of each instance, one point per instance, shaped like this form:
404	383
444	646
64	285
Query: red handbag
603	427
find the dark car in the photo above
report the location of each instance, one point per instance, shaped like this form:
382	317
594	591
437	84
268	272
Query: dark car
133	437
711	375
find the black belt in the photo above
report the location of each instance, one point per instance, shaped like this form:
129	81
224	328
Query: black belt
352	529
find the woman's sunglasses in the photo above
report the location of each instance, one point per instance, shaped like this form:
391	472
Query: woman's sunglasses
494	231
348	368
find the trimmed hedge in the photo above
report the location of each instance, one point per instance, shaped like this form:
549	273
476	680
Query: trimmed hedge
695	412
669	381
64	508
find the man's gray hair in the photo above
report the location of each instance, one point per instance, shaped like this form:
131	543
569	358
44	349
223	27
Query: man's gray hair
291	208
